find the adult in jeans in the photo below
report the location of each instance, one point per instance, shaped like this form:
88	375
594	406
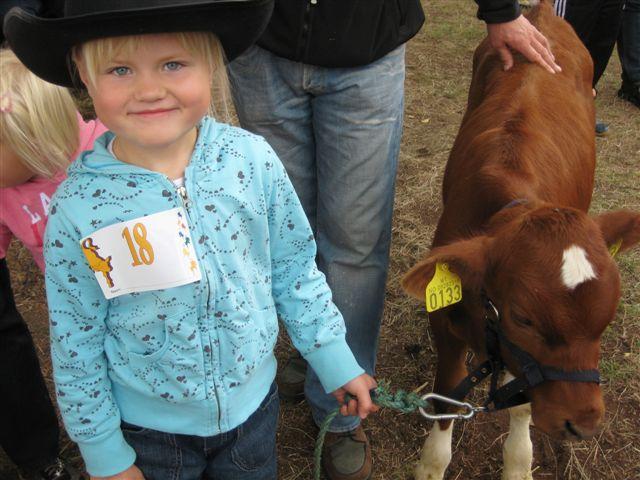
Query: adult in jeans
325	87
629	51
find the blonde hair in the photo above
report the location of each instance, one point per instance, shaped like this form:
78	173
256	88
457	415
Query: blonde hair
38	120
94	54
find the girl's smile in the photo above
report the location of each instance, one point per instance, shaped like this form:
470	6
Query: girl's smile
154	113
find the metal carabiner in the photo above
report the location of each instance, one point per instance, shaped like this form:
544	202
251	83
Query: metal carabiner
471	410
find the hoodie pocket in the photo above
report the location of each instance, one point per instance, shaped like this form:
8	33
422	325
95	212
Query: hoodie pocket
175	371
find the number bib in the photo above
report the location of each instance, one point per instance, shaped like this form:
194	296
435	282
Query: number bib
146	253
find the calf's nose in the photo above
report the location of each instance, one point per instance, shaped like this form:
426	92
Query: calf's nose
585	425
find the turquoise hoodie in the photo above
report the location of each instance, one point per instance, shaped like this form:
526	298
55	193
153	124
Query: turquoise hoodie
198	358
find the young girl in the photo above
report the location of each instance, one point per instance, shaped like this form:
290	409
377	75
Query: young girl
40	133
172	249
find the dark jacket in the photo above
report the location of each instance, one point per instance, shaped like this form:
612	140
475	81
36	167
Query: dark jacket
350	33
498	11
340	33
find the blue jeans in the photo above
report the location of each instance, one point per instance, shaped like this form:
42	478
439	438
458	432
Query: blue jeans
629	42
337	131
247	452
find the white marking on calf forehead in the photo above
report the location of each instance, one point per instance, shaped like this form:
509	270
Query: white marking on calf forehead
576	267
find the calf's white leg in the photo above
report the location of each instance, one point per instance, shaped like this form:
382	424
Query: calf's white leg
517	451
436	454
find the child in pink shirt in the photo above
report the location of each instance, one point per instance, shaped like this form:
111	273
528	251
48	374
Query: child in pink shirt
24	207
40	133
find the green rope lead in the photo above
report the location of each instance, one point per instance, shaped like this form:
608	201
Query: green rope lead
405	402
317	452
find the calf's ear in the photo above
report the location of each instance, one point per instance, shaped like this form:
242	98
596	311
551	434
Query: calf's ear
621	226
466	258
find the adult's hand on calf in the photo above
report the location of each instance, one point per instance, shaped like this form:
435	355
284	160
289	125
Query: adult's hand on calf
521	36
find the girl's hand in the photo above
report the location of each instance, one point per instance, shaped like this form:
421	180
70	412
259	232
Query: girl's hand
131	473
360	404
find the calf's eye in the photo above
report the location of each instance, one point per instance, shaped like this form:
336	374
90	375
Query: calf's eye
525	322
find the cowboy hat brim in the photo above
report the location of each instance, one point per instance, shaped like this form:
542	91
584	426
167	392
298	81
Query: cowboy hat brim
44	44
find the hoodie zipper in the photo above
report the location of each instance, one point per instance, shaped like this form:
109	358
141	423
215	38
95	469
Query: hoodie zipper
186	202
182	191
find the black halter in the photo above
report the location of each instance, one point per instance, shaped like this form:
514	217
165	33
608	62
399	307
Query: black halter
532	372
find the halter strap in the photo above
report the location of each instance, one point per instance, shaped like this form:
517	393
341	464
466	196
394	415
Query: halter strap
533	373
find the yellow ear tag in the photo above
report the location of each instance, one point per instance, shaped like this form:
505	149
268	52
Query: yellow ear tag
444	289
615	248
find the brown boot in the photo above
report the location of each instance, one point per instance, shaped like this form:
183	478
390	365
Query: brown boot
347	456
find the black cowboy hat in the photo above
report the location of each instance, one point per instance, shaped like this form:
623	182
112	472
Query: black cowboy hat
44	44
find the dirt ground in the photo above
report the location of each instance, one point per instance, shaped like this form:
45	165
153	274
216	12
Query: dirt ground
438	71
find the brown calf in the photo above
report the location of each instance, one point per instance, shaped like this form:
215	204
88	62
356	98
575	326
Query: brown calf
515	229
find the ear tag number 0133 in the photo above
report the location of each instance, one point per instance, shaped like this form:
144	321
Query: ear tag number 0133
444	289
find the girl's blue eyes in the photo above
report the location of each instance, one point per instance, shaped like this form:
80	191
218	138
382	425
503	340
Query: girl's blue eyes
119	71
170	66
173	66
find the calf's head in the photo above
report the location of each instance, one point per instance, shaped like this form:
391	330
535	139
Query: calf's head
550	273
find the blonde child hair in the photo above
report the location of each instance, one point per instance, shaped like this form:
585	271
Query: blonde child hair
38	120
92	55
